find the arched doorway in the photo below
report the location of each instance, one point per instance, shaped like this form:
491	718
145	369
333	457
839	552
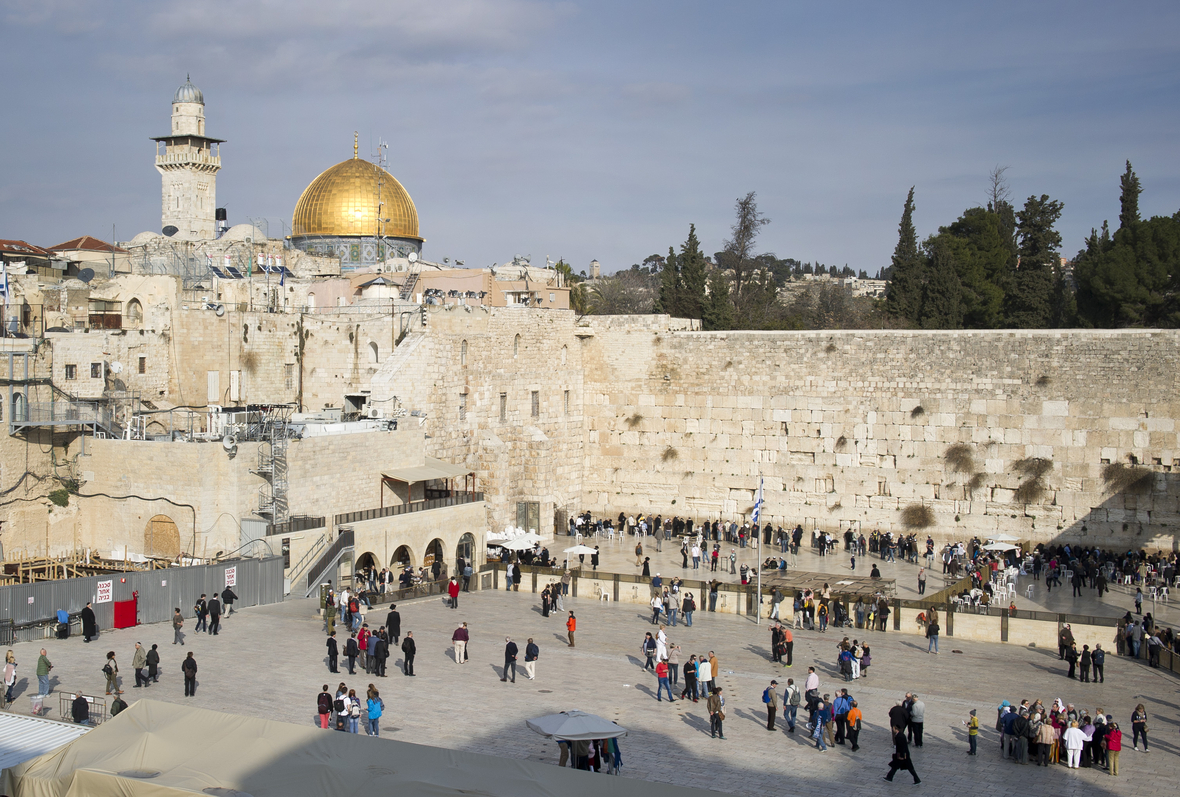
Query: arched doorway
374	352
434	559
134	314
161	538
365	571
402	558
465	550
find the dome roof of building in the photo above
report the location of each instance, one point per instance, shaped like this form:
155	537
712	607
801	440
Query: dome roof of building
189	93
344	200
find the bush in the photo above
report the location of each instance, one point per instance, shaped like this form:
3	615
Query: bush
917	516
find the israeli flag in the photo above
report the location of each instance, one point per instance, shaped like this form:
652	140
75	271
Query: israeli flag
757	505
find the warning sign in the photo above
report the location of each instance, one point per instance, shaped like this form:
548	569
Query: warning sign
231	576
105	592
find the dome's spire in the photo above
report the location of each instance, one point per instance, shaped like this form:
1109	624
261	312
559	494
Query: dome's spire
356	144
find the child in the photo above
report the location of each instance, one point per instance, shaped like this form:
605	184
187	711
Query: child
853	563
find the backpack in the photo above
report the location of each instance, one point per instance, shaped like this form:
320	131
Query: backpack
355	711
325	703
338	706
766	695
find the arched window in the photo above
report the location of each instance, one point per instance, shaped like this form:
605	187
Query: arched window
134	314
374	354
463	354
161	538
18	407
516	346
311	301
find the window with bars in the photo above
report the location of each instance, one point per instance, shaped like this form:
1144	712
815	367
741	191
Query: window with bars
289	375
96	370
536	404
503	406
143	365
71	371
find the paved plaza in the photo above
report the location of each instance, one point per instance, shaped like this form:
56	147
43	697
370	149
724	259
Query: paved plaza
269	662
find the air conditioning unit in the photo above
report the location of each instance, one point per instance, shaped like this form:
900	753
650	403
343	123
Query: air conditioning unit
374	412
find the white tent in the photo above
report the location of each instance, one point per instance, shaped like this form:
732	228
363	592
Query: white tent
575	725
157	749
581	549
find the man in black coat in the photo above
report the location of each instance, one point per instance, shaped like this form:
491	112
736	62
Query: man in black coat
80	710
393	623
214	616
351	650
899	715
408	651
379	651
510	651
333	652
901	756
228	597
201	612
89	623
189	668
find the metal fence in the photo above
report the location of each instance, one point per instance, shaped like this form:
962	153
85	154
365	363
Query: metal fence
32	608
460	497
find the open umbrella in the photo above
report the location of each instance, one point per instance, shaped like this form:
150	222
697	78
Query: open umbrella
575	726
1005	538
519	544
580	549
1000	546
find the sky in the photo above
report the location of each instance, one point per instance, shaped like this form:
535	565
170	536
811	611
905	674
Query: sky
597	130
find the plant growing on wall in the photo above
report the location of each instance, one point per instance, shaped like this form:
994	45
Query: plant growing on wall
1120	478
960	459
669	454
634	420
917	516
1033	488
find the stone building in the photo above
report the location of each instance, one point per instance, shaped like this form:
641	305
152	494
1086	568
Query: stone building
188	162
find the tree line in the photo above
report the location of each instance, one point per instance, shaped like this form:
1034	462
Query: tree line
997	267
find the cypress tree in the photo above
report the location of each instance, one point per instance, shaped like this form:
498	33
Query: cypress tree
1129	200
942	295
903	297
717	313
669	299
1029	304
691	263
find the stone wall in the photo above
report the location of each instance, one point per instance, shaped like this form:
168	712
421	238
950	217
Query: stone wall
850	428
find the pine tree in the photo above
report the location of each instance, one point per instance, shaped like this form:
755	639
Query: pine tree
903	297
1029	304
717	313
669	299
942	301
691	263
1129	201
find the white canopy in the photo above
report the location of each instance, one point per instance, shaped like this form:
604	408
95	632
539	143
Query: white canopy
579	549
999	546
575	725
1005	538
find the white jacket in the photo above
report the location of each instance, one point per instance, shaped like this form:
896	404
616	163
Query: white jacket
1074	737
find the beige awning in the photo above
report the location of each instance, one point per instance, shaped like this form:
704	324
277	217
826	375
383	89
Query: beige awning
433	469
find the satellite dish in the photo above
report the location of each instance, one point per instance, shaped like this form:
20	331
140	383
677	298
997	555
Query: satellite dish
170	230
86	274
116	367
413	257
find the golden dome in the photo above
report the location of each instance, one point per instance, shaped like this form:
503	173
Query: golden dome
344	200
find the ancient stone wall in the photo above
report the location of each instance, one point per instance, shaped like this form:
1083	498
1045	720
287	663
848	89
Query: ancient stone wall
993	431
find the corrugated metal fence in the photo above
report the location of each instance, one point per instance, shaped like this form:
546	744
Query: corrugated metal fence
28	606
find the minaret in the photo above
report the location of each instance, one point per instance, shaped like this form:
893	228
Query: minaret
188	162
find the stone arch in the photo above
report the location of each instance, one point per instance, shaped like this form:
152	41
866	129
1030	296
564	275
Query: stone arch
161	538
367	559
402	558
19	407
134	314
465	550
434	552
311	301
516	345
374	352
463	354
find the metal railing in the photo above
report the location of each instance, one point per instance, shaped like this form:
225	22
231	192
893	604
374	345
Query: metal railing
296	573
298	523
459	498
344	540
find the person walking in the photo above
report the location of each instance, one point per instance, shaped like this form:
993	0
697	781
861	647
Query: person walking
791	700
854	721
770	698
901	757
823	713
921	581
333	652
44	665
201	612
228	596
351	651
177	624
460	639
89	623
716	705
662	682
393	624
840	708
1139	727
531	653
409	648
1085	662
374	707
453	591
110	670
189	668
648	648
153	664
571	625
510	651
214	616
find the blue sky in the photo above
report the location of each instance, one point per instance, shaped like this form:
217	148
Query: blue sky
597	130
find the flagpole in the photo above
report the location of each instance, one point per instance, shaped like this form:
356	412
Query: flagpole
757	562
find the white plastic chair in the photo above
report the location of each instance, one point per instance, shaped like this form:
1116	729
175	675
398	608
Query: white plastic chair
1030	591
1011	590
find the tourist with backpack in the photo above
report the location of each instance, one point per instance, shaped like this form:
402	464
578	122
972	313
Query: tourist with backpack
770	698
791	699
376	706
324	706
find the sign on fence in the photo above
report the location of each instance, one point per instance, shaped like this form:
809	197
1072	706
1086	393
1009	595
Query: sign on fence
231	576
104	591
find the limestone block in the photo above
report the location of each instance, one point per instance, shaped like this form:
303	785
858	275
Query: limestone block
1161	425
1124	424
1140	440
1059	408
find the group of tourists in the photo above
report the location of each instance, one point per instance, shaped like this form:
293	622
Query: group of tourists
343	710
1062	734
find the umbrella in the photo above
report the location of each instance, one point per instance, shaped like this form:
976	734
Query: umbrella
1005	538
580	549
575	726
519	544
1000	546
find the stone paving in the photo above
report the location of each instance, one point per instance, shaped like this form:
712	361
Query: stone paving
270	661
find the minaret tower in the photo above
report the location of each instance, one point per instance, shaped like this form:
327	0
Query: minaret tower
188	162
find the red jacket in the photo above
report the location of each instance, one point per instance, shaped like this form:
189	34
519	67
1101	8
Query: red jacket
453	589
1114	741
662	670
